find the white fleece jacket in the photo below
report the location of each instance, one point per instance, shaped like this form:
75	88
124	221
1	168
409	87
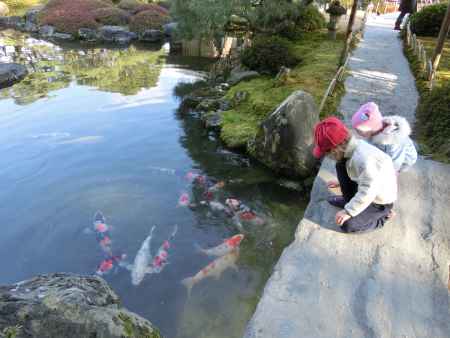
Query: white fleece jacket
374	172
394	140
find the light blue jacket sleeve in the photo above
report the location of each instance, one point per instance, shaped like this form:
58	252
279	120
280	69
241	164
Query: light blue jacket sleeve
403	155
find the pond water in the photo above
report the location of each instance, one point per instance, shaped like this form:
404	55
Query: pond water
97	129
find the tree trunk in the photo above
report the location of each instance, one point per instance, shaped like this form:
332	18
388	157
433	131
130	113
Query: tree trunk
349	36
440	42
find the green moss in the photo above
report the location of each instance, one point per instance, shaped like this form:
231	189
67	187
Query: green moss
19	7
431	136
320	55
134	331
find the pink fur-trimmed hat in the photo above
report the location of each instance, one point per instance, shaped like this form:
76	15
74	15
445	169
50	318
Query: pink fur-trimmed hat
368	118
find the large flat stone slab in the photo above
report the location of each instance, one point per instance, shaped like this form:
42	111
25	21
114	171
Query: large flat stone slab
388	283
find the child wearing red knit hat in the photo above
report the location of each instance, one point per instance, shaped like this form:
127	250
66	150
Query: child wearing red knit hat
366	175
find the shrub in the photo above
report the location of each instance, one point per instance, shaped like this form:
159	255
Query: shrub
152	7
129	5
70	16
310	19
147	20
268	54
112	16
433	116
165	4
428	21
336	9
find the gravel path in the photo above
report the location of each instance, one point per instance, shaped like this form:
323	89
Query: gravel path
391	283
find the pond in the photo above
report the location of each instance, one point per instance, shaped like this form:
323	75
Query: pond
94	132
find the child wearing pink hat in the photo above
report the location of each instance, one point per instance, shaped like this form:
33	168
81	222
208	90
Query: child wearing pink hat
390	134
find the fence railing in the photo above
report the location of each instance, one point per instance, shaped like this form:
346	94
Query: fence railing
426	65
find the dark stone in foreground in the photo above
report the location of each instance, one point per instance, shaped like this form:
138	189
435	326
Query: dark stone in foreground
69	306
11	73
151	35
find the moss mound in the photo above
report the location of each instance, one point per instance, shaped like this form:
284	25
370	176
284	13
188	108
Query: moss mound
320	57
70	16
112	16
428	21
147	20
434	121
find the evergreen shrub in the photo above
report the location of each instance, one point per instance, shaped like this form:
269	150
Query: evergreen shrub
70	16
428	21
267	54
147	20
112	16
310	19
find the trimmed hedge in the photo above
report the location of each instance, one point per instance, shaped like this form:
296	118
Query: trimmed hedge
70	16
428	21
152	7
147	20
434	116
112	16
268	54
129	5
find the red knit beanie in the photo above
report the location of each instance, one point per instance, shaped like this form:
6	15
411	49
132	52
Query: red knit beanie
328	134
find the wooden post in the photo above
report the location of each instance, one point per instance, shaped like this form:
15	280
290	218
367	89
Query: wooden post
445	27
349	36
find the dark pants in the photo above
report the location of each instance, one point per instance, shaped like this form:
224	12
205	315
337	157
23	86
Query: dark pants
373	217
400	18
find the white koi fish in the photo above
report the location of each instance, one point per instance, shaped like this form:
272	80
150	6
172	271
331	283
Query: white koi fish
83	140
142	261
213	269
226	247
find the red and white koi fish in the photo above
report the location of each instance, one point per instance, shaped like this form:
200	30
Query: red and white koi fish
108	264
226	247
100	225
251	217
184	200
213	269
233	203
160	260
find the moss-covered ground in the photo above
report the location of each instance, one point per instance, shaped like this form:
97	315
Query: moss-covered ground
19	7
429	145
320	57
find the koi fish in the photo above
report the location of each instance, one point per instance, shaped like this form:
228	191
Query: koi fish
233	203
226	247
160	260
213	269
251	217
83	140
100	225
108	264
184	200
219	185
142	260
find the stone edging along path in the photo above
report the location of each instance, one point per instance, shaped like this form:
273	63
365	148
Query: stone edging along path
389	283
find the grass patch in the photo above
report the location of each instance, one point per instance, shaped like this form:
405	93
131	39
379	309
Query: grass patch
434	145
19	7
320	57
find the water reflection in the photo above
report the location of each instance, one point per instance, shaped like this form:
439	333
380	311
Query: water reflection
124	71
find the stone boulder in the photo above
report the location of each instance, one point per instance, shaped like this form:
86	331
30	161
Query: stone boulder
87	34
116	34
32	14
63	36
15	22
69	306
10	73
237	77
4	9
284	140
46	31
170	28
212	120
151	35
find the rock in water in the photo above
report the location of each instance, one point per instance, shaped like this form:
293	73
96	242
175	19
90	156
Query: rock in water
11	73
69	306
284	140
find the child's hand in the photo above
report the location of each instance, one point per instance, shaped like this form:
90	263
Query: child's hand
333	184
341	217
